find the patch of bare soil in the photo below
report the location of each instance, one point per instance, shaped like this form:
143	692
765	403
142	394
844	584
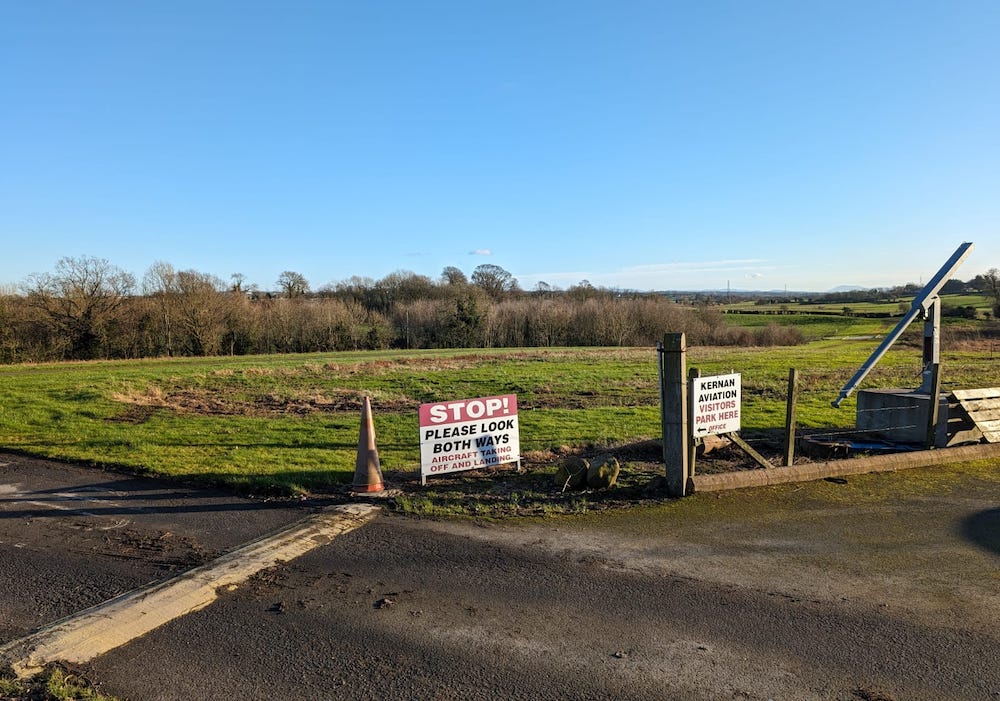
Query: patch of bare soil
534	491
218	402
213	403
222	399
134	414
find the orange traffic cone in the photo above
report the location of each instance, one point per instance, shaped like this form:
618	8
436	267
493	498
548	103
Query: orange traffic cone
367	470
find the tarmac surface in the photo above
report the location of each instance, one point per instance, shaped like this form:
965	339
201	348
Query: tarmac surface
824	590
73	537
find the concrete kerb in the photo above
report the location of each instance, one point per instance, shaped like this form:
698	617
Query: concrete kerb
842	468
87	634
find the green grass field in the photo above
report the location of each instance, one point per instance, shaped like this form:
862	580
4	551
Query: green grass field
982	303
290	423
817	326
828	320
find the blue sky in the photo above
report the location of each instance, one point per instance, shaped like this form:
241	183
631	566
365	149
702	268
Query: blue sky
631	143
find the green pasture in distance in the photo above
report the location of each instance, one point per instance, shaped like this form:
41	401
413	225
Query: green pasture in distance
980	302
890	307
897	307
816	326
290	423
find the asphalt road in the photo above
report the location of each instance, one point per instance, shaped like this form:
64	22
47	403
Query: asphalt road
72	537
823	591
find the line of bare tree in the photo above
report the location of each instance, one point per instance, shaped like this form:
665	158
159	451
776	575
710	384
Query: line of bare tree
88	308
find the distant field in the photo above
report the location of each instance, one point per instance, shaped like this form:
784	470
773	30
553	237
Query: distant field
980	302
818	321
291	422
816	326
898	307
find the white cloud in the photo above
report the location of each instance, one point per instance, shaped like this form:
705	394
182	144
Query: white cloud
481	252
673	275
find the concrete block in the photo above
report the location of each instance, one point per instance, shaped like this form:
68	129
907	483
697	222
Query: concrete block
901	415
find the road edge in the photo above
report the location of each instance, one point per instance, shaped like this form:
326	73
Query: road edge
92	632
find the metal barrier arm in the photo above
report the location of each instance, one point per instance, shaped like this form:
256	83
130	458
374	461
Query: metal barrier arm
921	306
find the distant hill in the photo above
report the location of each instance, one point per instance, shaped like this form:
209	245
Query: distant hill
846	288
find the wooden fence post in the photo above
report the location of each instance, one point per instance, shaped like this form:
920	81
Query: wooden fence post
674	412
793	392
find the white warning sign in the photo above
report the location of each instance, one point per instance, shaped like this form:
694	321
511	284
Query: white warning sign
716	404
468	434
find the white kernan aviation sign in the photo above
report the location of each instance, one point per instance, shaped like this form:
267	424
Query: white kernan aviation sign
468	434
715	404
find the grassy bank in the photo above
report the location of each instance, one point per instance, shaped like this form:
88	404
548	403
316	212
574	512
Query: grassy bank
291	422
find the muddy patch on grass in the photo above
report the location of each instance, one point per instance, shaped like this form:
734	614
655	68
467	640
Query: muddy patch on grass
220	401
313	388
223	401
134	414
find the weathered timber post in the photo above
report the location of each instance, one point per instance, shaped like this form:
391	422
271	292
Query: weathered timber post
674	412
793	391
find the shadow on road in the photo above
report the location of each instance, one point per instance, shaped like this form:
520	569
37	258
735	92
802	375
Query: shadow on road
983	529
128	496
